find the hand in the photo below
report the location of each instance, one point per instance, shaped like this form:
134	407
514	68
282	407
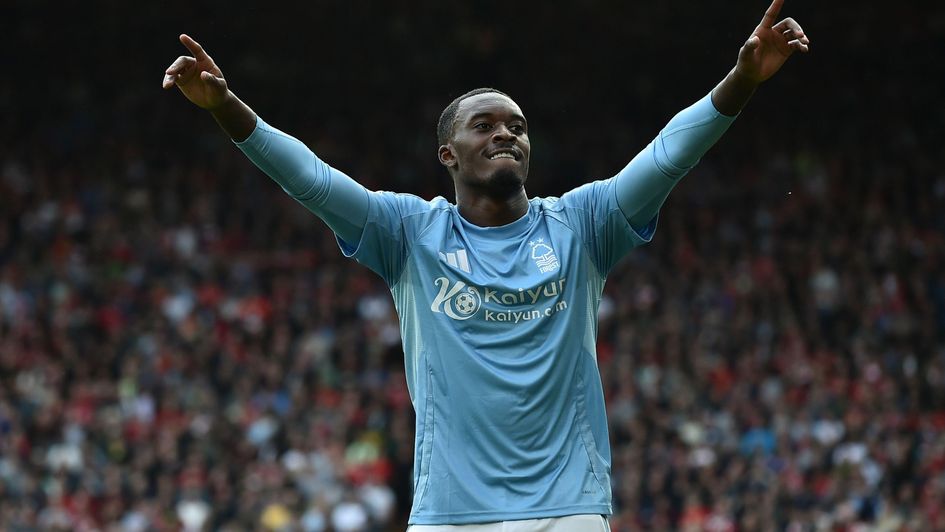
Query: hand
198	77
770	45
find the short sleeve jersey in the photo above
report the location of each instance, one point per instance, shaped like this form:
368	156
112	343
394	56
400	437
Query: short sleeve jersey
499	329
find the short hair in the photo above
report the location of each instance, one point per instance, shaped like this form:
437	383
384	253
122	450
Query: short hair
444	127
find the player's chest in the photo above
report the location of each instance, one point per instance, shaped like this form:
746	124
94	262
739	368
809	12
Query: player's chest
528	258
505	279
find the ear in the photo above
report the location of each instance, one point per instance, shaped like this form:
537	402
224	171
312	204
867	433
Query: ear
446	156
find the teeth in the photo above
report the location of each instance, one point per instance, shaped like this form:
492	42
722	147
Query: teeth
502	155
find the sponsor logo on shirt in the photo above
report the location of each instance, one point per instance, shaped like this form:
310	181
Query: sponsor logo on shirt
457	259
460	301
456	300
544	256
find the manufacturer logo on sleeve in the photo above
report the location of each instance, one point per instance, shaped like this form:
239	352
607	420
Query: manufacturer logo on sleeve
544	256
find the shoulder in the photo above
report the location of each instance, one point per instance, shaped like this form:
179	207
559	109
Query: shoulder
408	210
554	208
587	197
546	204
408	204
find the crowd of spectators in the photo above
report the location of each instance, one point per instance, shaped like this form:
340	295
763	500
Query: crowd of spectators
182	347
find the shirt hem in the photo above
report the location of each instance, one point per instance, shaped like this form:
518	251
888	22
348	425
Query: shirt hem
468	518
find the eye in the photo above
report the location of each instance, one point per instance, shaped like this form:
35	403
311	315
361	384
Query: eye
518	129
484	126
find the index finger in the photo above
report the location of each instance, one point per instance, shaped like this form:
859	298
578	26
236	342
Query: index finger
194	47
770	15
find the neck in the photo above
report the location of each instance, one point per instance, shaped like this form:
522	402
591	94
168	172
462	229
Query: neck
489	211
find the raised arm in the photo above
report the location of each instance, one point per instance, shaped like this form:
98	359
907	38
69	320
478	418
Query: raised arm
330	194
643	185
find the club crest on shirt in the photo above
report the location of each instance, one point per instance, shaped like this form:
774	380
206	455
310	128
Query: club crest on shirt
544	256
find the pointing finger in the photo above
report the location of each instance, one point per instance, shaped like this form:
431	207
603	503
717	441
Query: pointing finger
194	47
772	13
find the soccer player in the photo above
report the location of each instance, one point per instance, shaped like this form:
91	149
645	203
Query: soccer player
498	293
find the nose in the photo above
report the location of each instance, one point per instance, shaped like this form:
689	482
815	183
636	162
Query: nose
503	133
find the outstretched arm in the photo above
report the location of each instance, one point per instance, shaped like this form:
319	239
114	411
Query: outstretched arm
334	197
643	185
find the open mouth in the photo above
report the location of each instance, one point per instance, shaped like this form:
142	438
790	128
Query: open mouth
504	154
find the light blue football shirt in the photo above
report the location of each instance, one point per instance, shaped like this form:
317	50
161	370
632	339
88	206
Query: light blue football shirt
499	324
499	328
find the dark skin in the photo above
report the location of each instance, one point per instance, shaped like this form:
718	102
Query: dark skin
488	153
488	159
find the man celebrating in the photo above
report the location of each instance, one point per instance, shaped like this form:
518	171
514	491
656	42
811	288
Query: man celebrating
497	294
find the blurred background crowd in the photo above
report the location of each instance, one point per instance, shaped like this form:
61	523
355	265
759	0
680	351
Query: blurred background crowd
182	347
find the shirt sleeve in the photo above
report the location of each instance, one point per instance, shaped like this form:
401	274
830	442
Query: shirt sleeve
643	185
390	229
592	211
333	196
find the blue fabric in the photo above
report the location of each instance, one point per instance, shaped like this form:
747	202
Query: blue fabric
499	328
645	183
333	196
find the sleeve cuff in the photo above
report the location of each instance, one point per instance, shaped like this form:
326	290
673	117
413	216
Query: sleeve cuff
253	138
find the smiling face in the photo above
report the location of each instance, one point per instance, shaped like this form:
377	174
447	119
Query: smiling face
488	149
